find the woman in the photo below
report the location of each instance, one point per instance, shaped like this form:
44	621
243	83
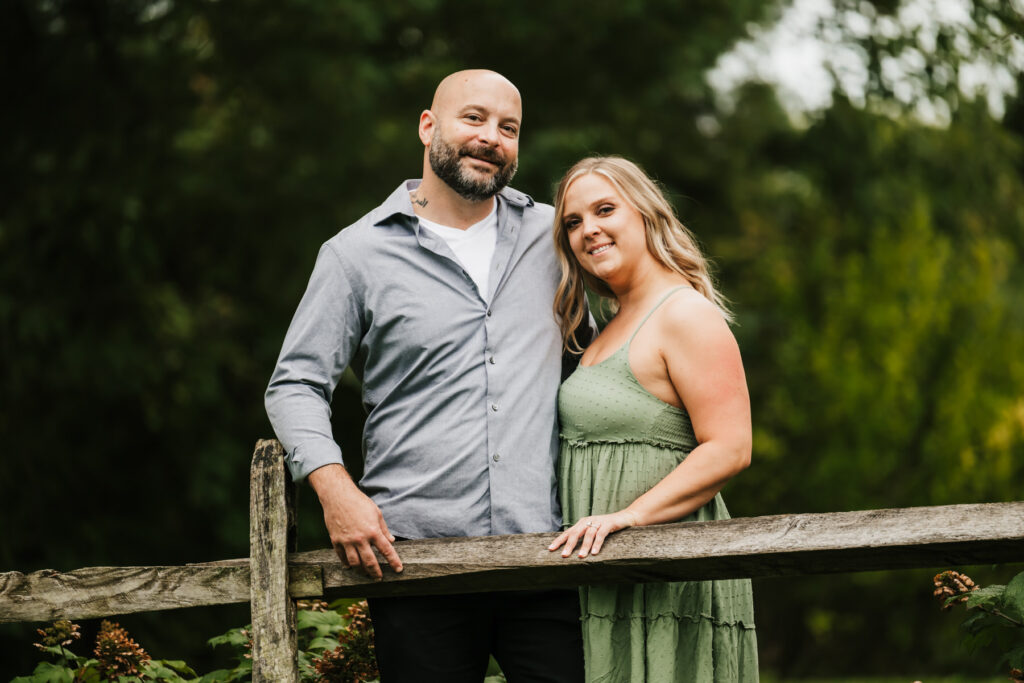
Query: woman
654	422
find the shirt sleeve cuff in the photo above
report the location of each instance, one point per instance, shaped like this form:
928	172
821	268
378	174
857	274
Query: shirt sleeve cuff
312	455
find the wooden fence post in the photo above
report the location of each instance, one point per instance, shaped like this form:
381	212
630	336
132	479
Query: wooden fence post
271	538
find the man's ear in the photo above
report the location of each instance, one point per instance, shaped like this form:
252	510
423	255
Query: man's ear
427	123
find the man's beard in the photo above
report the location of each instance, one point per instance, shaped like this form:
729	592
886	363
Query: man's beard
446	162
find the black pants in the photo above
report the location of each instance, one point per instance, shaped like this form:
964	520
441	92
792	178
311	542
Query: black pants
534	635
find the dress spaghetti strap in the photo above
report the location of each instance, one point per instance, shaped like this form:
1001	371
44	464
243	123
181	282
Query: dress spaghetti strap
656	307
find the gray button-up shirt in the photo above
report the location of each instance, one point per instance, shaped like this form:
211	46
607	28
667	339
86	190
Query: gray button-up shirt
460	437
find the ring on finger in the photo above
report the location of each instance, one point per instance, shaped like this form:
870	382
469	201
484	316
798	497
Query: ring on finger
591	524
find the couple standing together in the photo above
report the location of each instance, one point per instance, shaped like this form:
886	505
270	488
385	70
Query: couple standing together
440	300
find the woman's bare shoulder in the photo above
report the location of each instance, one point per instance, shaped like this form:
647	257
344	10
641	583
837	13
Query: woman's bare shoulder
688	313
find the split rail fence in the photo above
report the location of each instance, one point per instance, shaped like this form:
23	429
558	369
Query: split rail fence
274	575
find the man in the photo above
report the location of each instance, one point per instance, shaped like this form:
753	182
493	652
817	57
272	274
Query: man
440	299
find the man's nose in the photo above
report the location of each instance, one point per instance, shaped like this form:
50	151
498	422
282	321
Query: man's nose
488	133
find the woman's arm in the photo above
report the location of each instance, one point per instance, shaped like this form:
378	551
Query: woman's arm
702	362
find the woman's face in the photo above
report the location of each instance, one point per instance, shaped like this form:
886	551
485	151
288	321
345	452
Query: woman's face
606	234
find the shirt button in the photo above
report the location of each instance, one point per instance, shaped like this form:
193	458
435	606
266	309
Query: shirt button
494	407
488	313
491	360
496	457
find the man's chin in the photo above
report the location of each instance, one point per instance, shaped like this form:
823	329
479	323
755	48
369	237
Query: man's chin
478	166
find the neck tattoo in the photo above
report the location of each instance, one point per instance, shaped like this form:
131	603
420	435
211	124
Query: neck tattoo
417	200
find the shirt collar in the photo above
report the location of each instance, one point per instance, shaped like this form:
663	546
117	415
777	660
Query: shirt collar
400	203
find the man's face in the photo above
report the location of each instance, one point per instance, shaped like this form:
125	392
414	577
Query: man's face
474	147
476	171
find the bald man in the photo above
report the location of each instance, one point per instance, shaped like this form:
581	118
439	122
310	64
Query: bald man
440	300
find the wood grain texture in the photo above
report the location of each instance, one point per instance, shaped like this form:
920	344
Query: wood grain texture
271	528
780	545
94	592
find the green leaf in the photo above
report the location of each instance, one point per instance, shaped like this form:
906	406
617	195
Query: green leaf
1013	597
88	672
179	666
979	621
325	623
1015	658
989	596
168	670
306	670
242	672
48	672
323	643
234	637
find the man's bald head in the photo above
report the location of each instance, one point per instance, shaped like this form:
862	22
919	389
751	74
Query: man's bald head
462	86
471	134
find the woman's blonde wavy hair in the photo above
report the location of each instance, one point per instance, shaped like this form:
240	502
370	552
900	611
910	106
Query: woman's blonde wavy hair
668	240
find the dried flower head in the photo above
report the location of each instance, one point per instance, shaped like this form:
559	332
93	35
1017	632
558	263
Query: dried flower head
354	660
312	605
117	653
949	584
248	643
1017	676
61	634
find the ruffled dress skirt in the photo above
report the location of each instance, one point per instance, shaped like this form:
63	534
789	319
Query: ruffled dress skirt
690	631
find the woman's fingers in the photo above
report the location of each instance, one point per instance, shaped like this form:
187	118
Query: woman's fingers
573	535
559	541
599	538
588	538
590	533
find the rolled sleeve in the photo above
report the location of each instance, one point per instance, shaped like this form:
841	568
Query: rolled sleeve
319	345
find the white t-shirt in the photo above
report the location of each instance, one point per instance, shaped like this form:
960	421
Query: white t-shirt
473	247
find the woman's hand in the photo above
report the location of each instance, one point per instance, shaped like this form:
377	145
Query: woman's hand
593	530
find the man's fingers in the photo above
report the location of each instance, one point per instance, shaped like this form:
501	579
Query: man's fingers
348	554
389	552
369	561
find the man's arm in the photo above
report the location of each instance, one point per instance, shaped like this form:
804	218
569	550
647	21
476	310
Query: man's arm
320	343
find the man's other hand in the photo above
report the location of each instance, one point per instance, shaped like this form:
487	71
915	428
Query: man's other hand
354	522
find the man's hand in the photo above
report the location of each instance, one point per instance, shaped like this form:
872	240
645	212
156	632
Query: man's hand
354	522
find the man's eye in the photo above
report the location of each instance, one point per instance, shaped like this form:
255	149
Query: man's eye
511	130
473	117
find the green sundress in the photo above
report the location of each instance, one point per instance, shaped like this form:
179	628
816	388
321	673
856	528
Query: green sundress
617	441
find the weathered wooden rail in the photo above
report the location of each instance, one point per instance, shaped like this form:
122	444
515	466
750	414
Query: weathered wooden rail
779	545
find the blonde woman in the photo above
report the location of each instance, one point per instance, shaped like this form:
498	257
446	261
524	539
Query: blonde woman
655	420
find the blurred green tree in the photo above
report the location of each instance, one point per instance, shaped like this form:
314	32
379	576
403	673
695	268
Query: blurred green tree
171	166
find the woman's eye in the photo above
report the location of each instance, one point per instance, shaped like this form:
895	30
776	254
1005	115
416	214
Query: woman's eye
571	223
605	210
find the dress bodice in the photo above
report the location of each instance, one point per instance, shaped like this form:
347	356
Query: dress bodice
606	403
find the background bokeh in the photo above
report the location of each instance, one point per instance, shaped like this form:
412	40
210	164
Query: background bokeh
170	167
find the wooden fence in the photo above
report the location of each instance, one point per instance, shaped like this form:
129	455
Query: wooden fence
274	575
